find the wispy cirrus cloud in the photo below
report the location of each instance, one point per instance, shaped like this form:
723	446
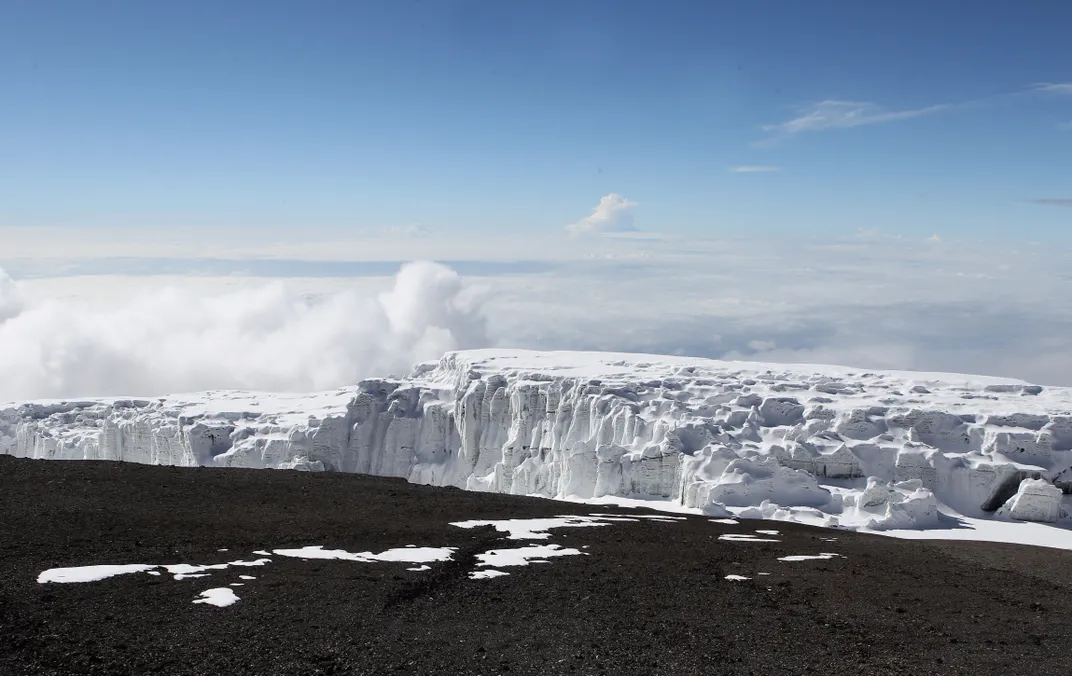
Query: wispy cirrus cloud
840	114
1054	87
833	114
754	168
1053	202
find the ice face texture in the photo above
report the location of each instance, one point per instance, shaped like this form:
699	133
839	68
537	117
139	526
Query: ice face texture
859	448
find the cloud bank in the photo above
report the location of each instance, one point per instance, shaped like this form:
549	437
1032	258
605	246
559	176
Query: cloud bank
261	338
875	301
614	213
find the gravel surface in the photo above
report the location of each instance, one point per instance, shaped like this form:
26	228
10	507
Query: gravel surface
646	598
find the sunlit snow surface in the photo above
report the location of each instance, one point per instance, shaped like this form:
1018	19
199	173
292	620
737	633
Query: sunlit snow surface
809	557
486	574
400	555
901	453
523	556
90	573
219	596
744	537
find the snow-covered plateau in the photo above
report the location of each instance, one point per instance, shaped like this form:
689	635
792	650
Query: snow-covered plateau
913	454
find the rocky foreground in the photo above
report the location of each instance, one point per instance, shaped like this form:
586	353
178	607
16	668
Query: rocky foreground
644	597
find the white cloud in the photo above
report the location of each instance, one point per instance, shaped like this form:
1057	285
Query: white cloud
889	303
614	213
869	302
754	169
1055	87
264	337
832	114
840	114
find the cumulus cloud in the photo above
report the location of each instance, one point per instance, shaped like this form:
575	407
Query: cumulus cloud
870	302
263	338
614	213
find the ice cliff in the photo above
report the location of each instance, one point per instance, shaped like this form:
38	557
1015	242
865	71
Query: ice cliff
843	446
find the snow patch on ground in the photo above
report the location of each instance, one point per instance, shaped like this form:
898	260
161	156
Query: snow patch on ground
537	529
399	555
90	573
219	596
809	557
523	556
486	574
744	537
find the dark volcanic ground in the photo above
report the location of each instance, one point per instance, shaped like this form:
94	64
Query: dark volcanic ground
650	598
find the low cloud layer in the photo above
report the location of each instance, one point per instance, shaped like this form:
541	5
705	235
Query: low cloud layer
261	338
614	213
873	301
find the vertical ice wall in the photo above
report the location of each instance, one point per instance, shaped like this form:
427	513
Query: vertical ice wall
698	432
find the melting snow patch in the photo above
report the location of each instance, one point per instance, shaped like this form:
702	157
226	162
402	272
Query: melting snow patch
153	572
90	573
630	517
219	596
809	557
420	568
536	529
767	532
744	537
246	577
728	522
401	555
486	574
737	578
258	562
523	556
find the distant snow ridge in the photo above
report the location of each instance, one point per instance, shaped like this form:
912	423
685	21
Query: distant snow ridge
835	445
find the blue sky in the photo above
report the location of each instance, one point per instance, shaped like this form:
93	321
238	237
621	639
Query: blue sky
908	117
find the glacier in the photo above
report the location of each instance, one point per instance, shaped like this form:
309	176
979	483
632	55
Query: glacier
833	446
